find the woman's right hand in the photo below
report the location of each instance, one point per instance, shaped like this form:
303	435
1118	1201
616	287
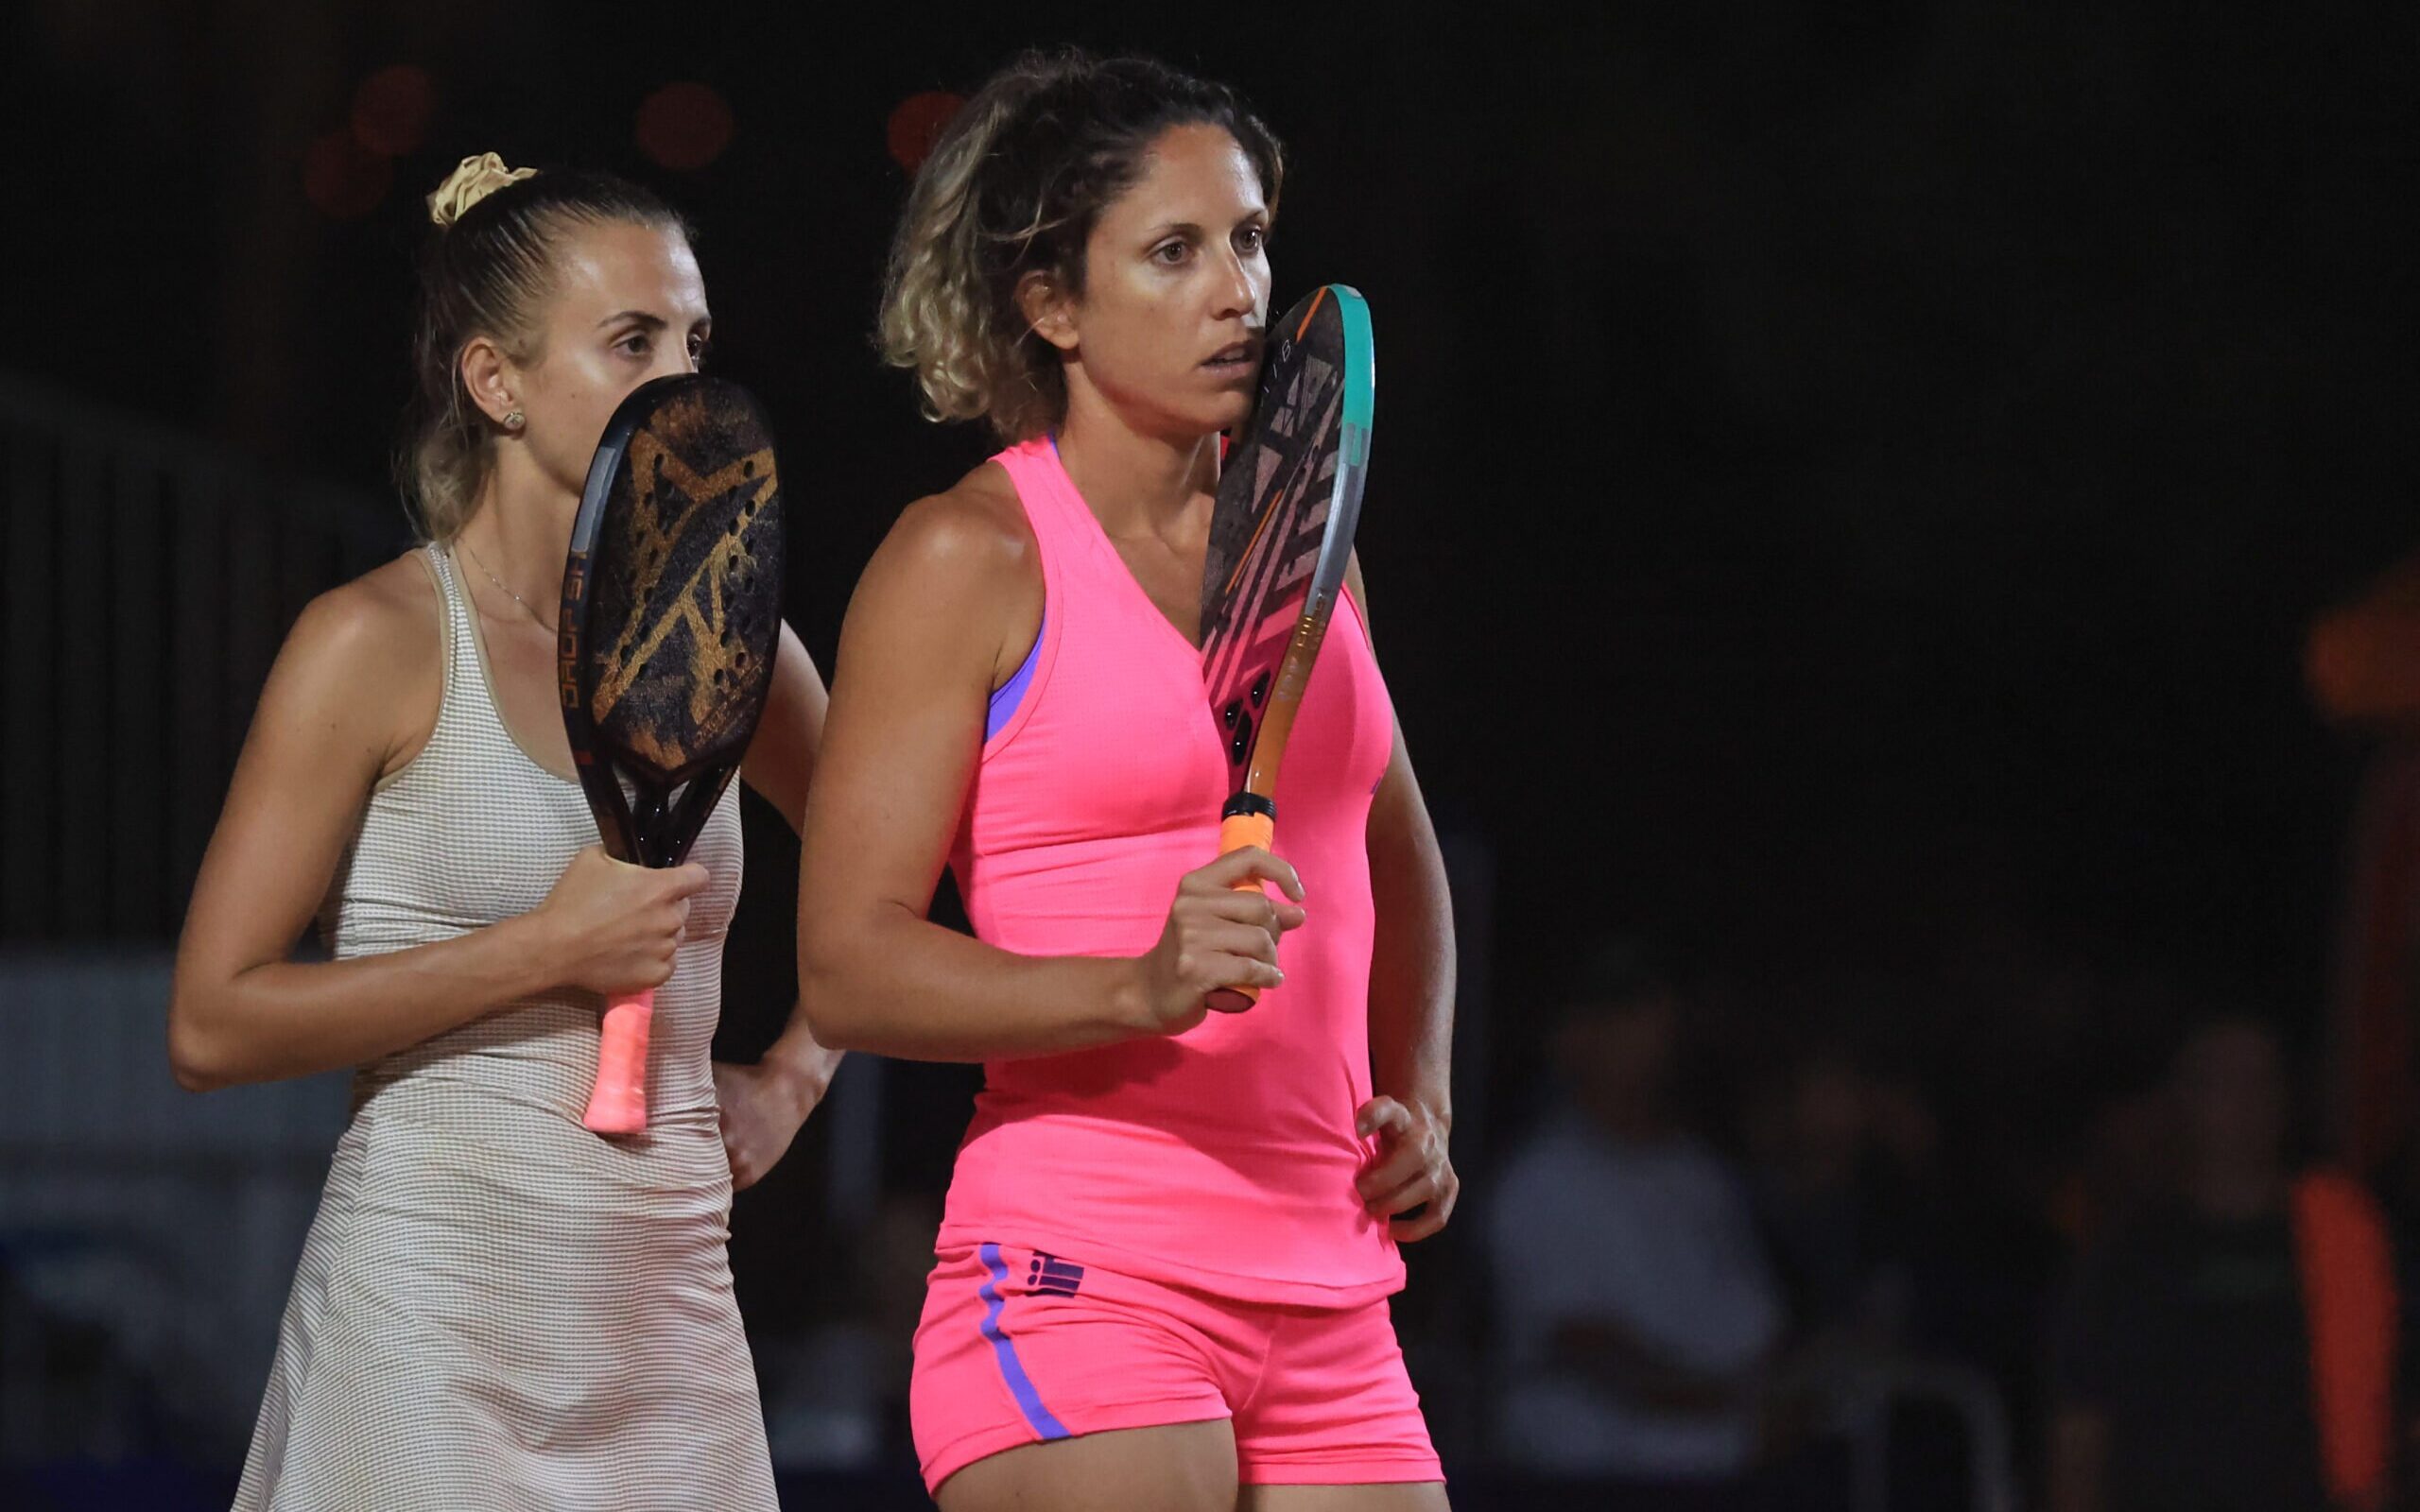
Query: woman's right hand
617	926
1217	937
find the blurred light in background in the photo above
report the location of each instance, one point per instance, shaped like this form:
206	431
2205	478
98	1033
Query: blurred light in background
342	179
916	124
685	125
391	109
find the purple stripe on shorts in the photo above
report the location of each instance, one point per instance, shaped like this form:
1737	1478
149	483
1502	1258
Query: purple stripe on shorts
1012	1369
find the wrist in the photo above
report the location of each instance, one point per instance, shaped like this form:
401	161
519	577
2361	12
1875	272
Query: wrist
1128	999
538	953
803	1067
1432	1102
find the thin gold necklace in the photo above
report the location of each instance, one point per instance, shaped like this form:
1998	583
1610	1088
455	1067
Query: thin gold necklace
508	592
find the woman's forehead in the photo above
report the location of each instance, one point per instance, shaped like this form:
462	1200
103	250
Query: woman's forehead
624	265
1192	167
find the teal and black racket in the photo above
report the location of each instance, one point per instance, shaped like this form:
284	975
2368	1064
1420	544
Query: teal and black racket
1281	535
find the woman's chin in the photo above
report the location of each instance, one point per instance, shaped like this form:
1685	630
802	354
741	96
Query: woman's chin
1228	412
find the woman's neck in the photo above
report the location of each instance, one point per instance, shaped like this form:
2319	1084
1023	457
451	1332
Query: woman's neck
518	534
1136	482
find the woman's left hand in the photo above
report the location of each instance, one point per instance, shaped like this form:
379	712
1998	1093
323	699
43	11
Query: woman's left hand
1410	1168
761	1108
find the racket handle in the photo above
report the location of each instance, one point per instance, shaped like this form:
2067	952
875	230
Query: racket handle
1236	831
618	1105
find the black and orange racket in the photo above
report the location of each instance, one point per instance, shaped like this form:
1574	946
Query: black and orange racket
671	617
1281	535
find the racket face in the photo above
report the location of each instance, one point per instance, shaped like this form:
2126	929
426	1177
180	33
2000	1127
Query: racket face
1281	534
671	610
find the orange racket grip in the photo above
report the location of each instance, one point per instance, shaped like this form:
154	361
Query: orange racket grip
1236	831
618	1105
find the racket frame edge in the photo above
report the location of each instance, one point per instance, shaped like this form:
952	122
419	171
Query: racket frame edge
1257	794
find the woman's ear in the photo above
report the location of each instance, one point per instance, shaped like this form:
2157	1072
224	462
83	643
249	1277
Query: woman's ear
1049	311
491	378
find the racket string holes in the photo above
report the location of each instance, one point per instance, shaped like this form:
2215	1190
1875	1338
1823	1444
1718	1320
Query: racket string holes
1238	731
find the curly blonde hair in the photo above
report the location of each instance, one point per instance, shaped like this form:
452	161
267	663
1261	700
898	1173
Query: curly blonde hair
1015	185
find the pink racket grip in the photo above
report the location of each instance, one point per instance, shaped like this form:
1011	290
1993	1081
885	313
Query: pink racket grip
618	1105
1236	831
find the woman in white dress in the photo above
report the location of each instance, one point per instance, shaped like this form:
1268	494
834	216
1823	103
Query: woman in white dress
495	1308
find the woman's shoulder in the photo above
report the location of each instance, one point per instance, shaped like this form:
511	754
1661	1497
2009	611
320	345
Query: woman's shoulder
973	535
390	617
978	520
374	647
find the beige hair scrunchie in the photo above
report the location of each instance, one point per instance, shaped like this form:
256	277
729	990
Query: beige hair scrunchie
477	178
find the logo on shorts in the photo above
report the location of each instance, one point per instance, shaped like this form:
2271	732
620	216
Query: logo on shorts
1050	1273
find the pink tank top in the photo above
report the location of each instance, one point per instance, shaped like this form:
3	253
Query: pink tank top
1223	1158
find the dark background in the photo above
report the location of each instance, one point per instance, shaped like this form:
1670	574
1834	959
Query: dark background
1850	485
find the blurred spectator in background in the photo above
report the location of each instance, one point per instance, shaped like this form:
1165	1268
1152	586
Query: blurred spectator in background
2232	1348
2362	664
1635	1312
837	1397
1837	1155
2127	1163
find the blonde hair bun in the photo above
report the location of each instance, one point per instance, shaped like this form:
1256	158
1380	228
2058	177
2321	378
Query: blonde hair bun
478	176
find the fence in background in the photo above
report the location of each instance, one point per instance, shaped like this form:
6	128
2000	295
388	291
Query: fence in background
146	579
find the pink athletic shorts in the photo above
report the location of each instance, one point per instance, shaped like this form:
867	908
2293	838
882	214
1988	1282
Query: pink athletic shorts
1018	1348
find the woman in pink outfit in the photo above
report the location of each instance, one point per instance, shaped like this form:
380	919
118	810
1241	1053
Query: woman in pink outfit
1163	1271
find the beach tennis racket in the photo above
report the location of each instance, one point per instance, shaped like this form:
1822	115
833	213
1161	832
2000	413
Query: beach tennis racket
1281	534
671	614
